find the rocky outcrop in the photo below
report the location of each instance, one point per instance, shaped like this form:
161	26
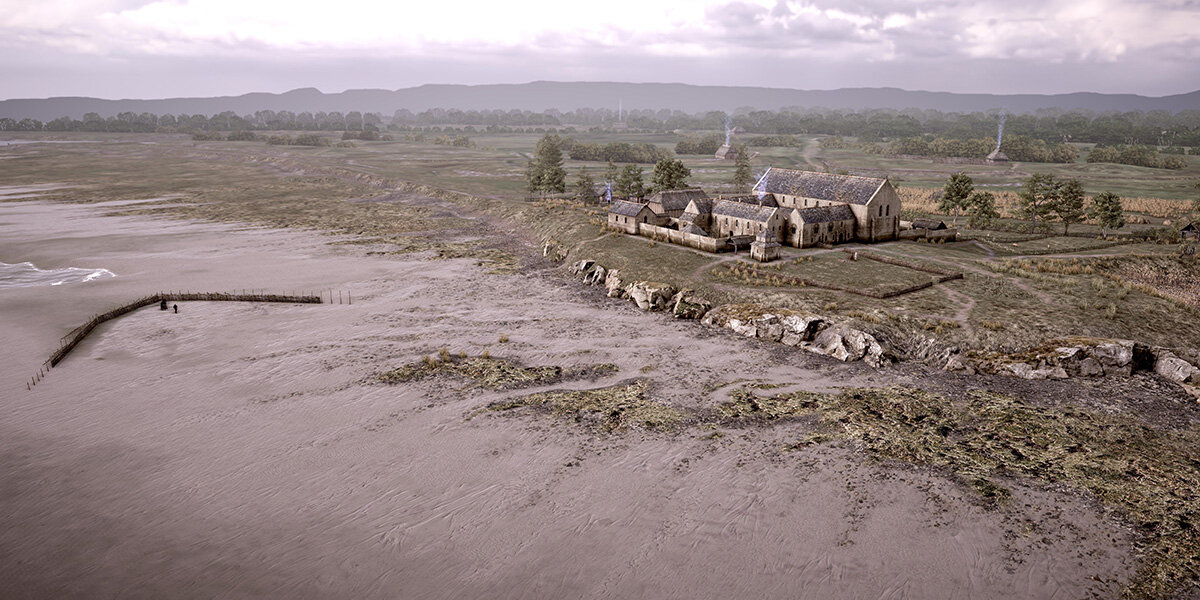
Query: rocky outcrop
1027	371
1115	357
1079	357
651	295
615	285
590	272
686	305
847	344
807	332
798	329
553	252
1176	369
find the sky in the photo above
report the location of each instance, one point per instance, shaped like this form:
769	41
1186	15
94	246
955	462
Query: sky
171	48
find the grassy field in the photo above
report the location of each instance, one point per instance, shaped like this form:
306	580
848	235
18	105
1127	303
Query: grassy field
331	189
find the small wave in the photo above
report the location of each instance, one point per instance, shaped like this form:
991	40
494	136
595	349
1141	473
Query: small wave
27	275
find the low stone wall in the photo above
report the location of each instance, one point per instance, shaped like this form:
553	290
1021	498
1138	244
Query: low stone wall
674	236
932	235
944	275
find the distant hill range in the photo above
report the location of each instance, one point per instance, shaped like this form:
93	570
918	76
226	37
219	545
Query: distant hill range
542	95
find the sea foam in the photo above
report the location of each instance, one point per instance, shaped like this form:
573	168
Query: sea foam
27	275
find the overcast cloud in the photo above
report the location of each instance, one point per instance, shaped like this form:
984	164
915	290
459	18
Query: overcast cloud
140	48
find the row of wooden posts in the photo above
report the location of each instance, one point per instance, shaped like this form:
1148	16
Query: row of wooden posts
75	336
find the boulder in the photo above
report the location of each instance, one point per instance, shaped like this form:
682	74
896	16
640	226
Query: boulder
733	318
595	276
768	328
1090	367
798	329
1028	371
615	286
746	327
846	344
715	317
581	267
553	252
959	363
1170	366
1116	357
651	295
685	305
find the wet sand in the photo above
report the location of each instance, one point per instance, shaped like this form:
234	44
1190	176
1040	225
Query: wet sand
241	450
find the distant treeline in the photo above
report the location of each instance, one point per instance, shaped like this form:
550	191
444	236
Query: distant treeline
1141	156
708	144
1152	128
617	152
1016	147
1157	128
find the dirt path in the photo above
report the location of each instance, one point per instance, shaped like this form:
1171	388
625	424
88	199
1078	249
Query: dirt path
990	252
966	305
809	153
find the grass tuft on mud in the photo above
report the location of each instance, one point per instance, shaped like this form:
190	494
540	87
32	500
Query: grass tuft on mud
615	408
1151	474
493	373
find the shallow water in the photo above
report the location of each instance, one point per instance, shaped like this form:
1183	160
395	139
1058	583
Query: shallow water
27	275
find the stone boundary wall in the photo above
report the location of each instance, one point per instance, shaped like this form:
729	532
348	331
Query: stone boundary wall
674	236
932	235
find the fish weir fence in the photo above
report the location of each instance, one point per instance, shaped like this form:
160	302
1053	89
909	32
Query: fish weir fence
72	339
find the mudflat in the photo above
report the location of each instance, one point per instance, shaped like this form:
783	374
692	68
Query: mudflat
249	450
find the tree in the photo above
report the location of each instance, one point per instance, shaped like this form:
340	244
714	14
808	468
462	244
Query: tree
550	160
670	174
584	186
954	196
1069	207
545	172
741	167
533	177
629	182
611	172
981	210
1038	198
1107	211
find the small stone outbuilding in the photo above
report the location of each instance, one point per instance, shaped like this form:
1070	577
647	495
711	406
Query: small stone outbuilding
626	216
765	247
